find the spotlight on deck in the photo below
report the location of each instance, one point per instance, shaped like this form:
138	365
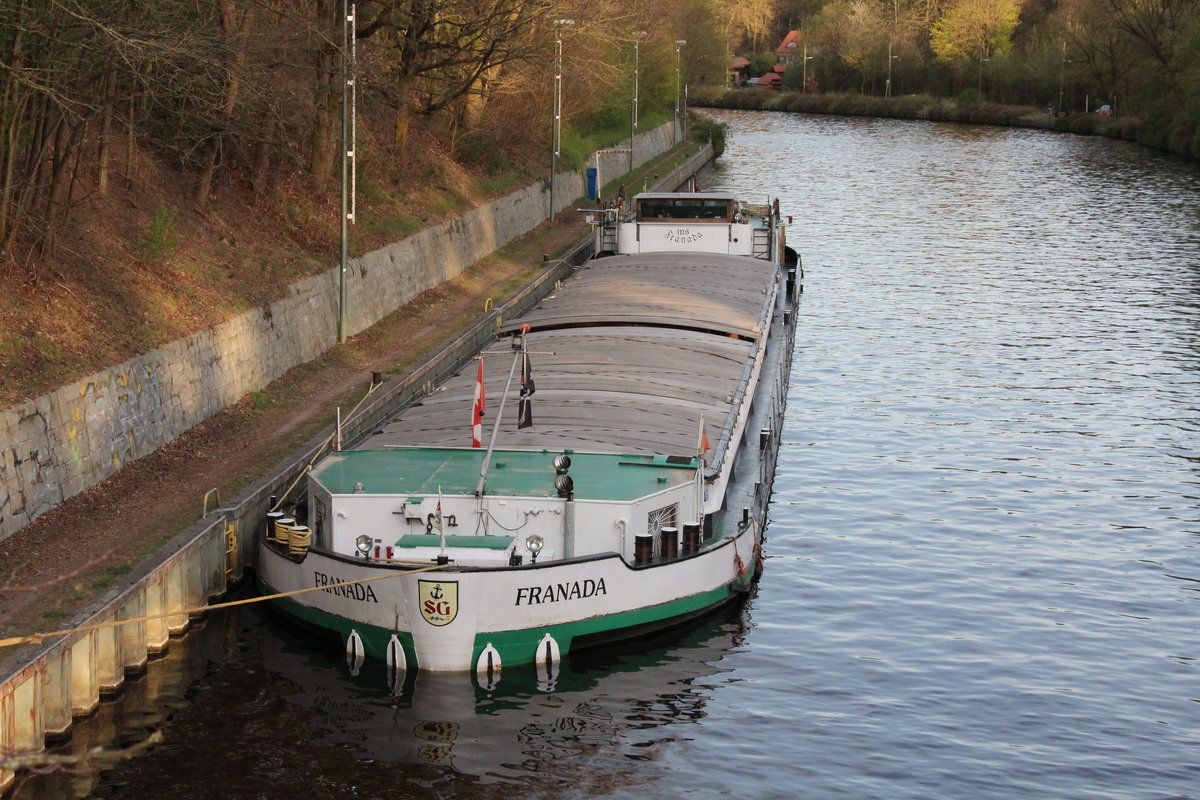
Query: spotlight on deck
363	545
534	545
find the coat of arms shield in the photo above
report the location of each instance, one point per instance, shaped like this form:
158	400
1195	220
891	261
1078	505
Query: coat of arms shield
438	601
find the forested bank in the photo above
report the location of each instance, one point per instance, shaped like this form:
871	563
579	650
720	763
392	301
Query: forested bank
1133	60
165	164
1131	128
1128	59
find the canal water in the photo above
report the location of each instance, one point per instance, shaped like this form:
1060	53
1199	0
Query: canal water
983	572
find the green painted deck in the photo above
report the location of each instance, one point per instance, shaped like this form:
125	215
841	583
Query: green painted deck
426	472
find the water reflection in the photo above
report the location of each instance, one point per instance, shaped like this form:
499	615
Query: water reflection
600	706
281	712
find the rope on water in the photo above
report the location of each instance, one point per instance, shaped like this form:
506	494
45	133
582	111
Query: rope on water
37	638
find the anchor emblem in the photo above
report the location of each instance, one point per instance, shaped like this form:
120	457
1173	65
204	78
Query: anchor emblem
438	601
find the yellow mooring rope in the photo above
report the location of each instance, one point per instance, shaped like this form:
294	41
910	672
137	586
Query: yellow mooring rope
37	638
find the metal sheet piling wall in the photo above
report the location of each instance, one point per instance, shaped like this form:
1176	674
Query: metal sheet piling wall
68	677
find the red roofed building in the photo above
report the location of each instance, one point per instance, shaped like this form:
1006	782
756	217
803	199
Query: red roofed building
738	69
791	49
772	80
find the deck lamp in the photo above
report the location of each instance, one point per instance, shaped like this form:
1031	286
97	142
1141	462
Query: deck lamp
363	545
534	545
518	337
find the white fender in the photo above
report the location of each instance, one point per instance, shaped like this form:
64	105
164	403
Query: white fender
397	666
547	658
355	652
396	659
487	668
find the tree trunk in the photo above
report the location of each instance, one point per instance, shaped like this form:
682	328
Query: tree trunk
400	132
260	177
104	147
231	30
326	96
131	143
13	102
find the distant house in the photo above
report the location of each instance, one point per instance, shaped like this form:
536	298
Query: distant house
790	50
738	69
793	53
772	80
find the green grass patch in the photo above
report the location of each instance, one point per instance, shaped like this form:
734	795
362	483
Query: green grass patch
393	226
159	239
260	400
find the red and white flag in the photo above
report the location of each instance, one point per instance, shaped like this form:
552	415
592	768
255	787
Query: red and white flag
477	411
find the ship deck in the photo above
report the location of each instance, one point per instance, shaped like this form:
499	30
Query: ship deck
627	357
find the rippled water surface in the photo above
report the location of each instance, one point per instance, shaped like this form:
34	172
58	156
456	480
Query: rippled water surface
985	530
983	566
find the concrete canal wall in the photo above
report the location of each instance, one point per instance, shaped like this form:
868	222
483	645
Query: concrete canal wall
66	677
55	446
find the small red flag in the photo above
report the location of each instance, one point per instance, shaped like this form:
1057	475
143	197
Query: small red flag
479	407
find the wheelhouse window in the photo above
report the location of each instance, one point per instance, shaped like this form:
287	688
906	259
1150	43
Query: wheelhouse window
673	209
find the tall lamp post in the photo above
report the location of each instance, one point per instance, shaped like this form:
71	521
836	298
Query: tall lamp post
679	43
349	140
887	89
804	59
1061	69
556	113
633	111
979	88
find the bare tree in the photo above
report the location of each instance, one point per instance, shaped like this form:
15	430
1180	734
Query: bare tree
427	54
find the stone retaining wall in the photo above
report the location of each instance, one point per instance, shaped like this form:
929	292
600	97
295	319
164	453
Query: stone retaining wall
57	445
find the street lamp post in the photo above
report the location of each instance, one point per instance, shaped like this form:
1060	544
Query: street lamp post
804	59
887	89
556	113
679	43
633	112
979	88
1061	69
349	168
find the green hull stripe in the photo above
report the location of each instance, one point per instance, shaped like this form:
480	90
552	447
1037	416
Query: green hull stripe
515	646
520	646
